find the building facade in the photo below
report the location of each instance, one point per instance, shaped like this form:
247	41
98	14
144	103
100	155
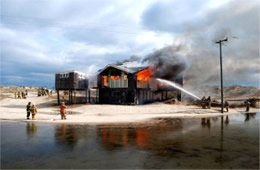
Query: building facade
131	85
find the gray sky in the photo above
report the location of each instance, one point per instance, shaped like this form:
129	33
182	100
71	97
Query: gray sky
41	37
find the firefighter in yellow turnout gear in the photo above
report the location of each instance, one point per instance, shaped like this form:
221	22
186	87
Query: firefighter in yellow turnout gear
33	111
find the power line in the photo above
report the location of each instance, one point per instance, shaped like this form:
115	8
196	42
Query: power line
221	75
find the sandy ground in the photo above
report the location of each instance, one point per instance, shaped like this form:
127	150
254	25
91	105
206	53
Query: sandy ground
15	110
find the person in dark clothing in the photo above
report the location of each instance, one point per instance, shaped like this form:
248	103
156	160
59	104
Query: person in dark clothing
247	103
209	102
226	105
28	110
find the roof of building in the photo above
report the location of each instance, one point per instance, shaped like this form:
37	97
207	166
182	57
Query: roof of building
125	69
71	71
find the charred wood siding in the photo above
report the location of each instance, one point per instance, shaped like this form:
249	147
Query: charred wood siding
113	90
116	96
123	95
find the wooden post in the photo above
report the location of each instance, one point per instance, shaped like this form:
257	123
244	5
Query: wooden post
75	94
58	97
86	96
69	96
89	96
97	96
108	78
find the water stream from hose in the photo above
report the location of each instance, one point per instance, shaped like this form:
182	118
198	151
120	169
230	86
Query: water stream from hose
167	82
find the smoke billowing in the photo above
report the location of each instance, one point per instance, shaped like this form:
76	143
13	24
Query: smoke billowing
168	62
237	20
197	56
240	53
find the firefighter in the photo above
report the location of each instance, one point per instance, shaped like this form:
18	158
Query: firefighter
23	95
209	102
28	110
15	94
26	92
18	94
39	93
63	111
203	102
33	111
226	105
247	103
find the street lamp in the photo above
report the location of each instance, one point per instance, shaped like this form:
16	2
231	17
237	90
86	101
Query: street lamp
221	76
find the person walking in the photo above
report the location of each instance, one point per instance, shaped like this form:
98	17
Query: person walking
33	111
28	110
226	105
19	95
209	102
247	103
63	111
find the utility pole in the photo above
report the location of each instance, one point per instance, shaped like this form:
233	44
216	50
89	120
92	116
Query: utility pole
221	75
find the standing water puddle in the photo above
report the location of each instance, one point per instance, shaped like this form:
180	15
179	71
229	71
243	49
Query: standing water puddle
173	143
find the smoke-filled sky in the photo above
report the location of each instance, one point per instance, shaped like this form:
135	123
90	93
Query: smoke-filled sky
41	37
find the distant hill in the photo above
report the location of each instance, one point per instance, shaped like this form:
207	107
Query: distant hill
230	92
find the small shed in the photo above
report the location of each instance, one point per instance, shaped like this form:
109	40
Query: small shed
71	81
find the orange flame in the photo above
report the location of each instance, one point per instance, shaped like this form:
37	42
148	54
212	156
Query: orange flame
144	75
105	80
114	77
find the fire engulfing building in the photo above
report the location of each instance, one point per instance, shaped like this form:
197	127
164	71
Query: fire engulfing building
71	82
132	85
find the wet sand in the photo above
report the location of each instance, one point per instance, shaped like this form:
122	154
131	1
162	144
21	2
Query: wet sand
15	110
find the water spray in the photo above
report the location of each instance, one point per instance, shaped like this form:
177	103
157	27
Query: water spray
177	87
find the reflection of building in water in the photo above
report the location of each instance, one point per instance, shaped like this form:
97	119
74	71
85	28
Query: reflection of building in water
205	122
31	129
66	135
152	137
113	137
249	116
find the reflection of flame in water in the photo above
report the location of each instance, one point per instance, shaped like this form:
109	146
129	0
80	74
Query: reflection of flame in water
142	137
114	137
177	87
125	136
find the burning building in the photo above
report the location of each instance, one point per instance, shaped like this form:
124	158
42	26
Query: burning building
118	84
